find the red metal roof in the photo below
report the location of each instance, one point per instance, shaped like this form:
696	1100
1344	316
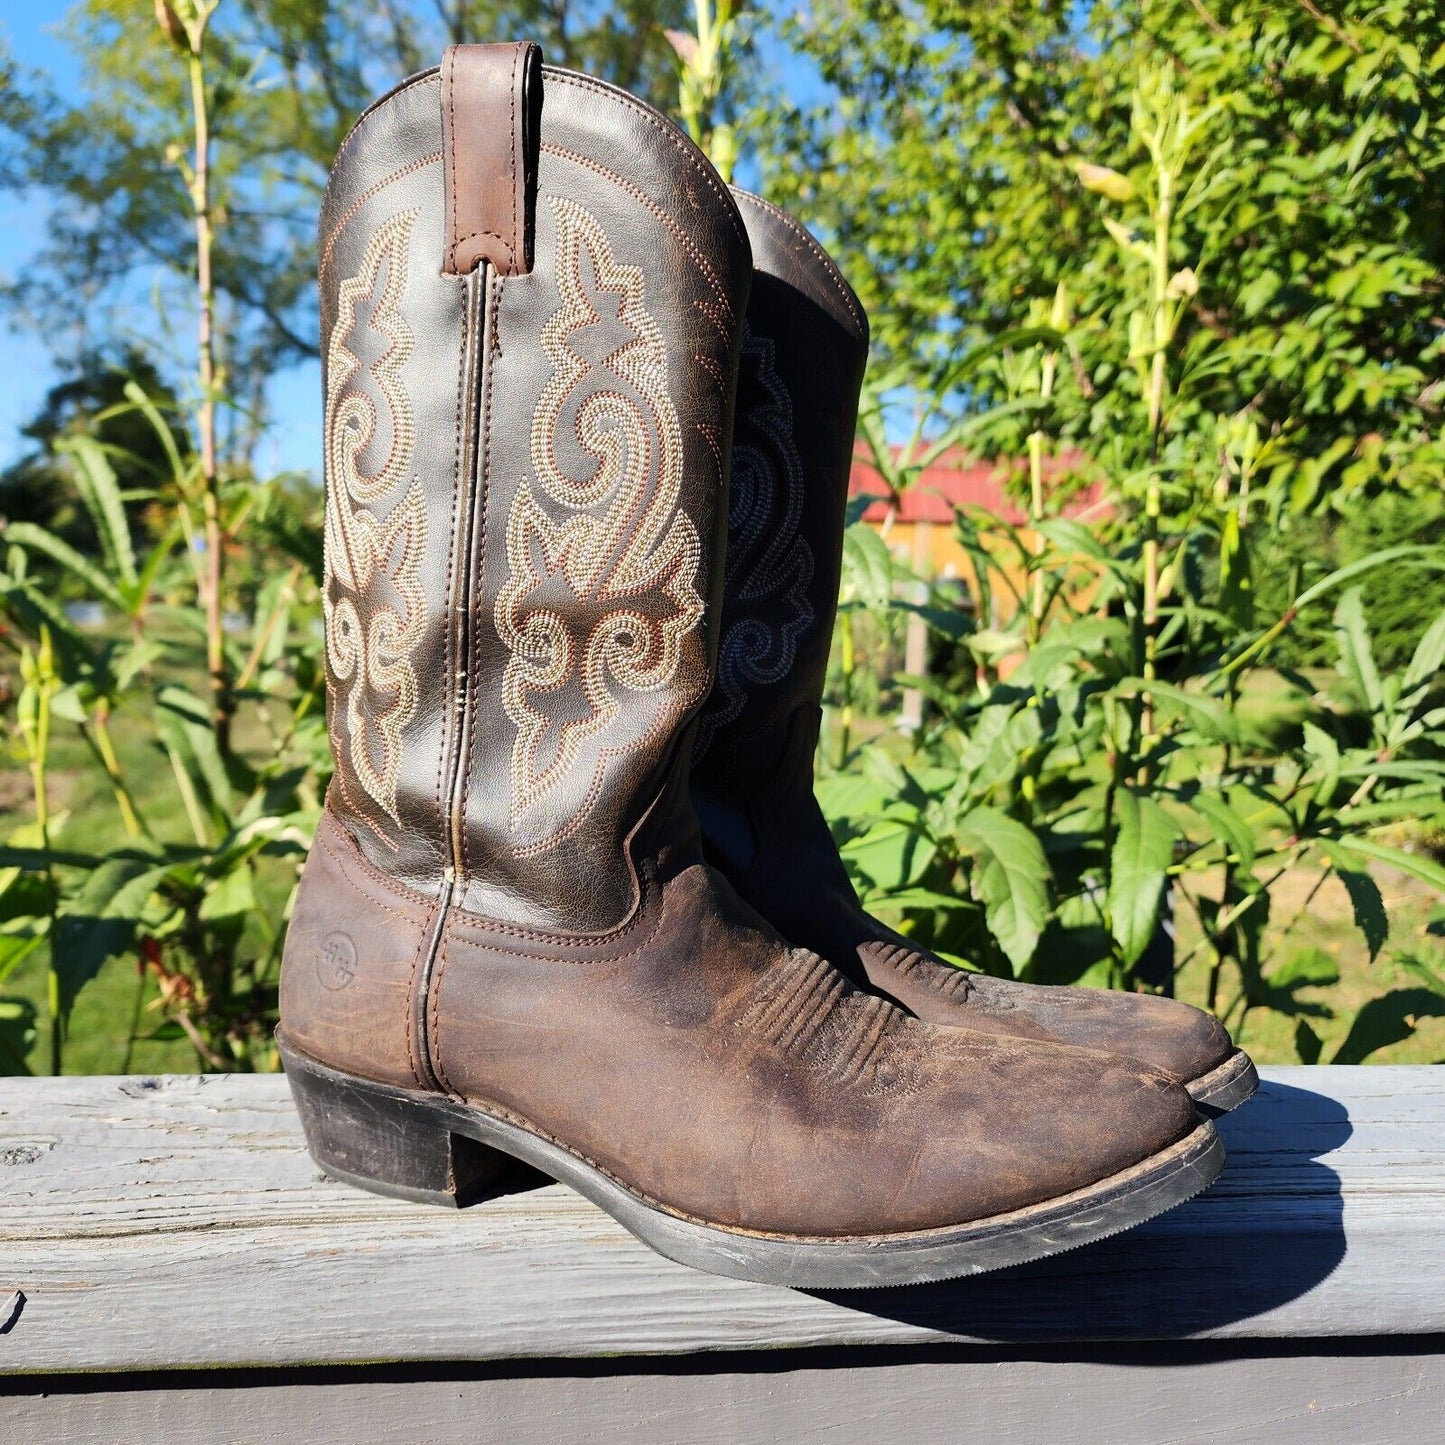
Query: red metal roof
955	480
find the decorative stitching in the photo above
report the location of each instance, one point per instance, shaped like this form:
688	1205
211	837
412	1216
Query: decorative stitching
373	565
694	158
601	587
724	322
766	607
350	214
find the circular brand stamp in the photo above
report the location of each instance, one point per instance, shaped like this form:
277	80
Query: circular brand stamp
336	963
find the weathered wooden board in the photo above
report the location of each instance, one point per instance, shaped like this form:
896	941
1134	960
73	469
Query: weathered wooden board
850	1399
157	1223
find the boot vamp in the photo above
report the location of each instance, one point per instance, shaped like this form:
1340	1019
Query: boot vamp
709	1068
797	881
1176	1039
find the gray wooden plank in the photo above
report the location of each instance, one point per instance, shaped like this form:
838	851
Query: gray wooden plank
1299	1400
149	1223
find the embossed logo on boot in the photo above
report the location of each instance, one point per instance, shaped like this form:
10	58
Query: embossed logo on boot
336	963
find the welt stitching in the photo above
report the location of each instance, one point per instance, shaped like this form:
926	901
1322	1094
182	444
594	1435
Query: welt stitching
830	266
693	158
349	214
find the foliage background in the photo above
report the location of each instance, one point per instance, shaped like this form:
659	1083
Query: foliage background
1186	254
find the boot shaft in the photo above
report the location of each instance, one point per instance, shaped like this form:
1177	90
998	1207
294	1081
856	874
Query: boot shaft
532	291
805	345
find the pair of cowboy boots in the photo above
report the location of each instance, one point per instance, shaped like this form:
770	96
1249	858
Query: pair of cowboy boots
570	604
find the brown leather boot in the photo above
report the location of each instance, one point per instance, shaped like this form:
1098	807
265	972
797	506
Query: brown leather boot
804	347
506	945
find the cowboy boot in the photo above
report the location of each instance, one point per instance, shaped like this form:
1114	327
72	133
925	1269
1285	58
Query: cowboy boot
804	347
506	945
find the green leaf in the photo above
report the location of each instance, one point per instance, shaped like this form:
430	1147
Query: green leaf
1227	826
1143	850
1319	745
1010	878
1210	718
891	855
1390	1019
184	723
99	490
1425	869
229	896
867	567
1357	657
37	539
1236	577
1424	556
101	920
1428	659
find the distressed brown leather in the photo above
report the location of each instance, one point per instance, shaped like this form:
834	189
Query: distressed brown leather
752	776
522	625
491	104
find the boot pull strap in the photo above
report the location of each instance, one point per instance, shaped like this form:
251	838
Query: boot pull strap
491	109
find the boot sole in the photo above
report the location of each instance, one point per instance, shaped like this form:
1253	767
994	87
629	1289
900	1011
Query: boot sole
434	1149
1225	1087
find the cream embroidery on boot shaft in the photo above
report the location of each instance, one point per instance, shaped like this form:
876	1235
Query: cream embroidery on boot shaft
373	597
602	567
766	610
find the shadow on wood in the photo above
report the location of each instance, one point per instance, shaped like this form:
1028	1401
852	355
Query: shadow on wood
1241	1256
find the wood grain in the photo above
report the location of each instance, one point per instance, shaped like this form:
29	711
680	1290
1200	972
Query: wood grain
174	1222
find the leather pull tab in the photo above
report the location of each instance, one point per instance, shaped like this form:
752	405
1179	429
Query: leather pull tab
491	114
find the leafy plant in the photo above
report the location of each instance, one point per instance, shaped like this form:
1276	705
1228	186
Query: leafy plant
233	714
1097	763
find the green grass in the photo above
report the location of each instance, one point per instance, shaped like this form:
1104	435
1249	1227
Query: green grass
116	1024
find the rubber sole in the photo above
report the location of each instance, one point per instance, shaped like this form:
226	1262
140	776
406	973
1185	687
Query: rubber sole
437	1150
1225	1087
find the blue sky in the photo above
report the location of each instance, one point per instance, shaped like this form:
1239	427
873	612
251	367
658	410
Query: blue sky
294	440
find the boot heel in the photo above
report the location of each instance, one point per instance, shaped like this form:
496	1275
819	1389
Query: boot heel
392	1141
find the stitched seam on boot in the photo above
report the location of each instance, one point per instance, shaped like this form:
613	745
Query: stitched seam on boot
408	1016
830	266
377	109
435	1031
449	661
669	223
492	332
368	194
689	154
356	859
345	865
